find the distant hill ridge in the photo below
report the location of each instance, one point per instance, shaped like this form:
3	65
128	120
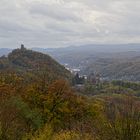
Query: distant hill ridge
88	48
5	51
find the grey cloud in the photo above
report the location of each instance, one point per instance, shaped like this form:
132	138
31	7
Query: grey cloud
55	11
55	23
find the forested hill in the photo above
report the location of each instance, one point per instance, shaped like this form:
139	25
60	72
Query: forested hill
37	102
23	60
118	69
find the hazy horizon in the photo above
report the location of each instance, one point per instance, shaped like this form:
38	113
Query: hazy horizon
127	45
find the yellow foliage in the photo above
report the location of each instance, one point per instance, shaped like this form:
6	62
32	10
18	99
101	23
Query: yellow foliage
47	134
72	135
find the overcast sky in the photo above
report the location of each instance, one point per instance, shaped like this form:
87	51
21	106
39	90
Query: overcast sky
61	23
